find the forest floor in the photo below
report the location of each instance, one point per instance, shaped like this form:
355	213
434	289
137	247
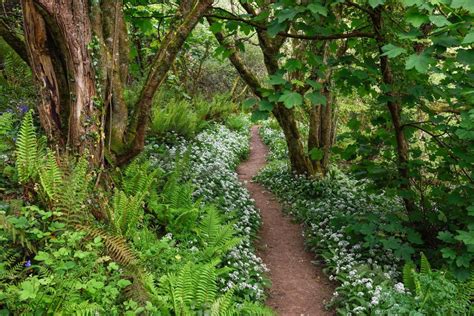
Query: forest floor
298	286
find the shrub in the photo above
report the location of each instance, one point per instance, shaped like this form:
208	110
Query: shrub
177	116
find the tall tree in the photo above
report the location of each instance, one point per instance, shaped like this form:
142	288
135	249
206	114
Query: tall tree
301	76
78	51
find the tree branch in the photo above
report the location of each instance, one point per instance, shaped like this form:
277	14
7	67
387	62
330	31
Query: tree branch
14	41
353	34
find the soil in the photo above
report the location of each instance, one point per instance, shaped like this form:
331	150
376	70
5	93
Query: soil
299	287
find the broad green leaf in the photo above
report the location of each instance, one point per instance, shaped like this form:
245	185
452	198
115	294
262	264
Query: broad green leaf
29	289
469	38
463	260
264	105
446	236
448	253
215	27
275	27
416	19
291	99
466	56
470	210
293	64
314	84
317	8
249	103
439	20
419	62
414	237
276	80
316	98
466	4
467	237
376	3
392	51
287	14
409	3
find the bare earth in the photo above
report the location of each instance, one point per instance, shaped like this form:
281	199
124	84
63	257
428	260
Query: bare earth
298	286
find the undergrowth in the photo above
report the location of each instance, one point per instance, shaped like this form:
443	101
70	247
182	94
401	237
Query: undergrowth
364	242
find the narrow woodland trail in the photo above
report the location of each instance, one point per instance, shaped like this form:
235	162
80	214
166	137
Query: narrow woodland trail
298	286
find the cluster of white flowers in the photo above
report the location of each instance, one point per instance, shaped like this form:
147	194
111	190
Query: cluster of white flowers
321	205
214	155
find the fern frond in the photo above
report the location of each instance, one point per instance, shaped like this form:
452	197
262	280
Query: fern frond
224	305
217	238
51	177
116	246
73	195
83	309
425	267
205	285
27	149
254	309
409	276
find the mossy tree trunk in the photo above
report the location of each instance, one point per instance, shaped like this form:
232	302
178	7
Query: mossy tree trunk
79	55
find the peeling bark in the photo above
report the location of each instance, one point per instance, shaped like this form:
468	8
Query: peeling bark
57	35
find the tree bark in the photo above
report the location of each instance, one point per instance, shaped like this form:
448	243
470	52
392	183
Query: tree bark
57	36
394	107
79	55
169	48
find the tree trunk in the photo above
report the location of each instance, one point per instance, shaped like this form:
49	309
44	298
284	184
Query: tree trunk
394	108
321	134
169	48
57	35
299	160
83	108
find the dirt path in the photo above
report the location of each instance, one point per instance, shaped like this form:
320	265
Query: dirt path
298	286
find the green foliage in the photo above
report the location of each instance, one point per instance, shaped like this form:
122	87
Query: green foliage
194	289
215	238
57	258
27	149
126	211
237	122
187	118
176	210
177	117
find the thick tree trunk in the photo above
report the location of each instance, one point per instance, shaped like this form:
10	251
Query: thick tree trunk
83	108
57	35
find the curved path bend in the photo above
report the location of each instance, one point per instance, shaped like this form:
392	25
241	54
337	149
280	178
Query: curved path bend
298	286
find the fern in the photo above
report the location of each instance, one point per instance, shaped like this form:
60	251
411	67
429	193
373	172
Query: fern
72	196
116	246
10	266
27	149
409	276
425	267
126	212
6	126
82	309
51	177
194	285
193	290
214	236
